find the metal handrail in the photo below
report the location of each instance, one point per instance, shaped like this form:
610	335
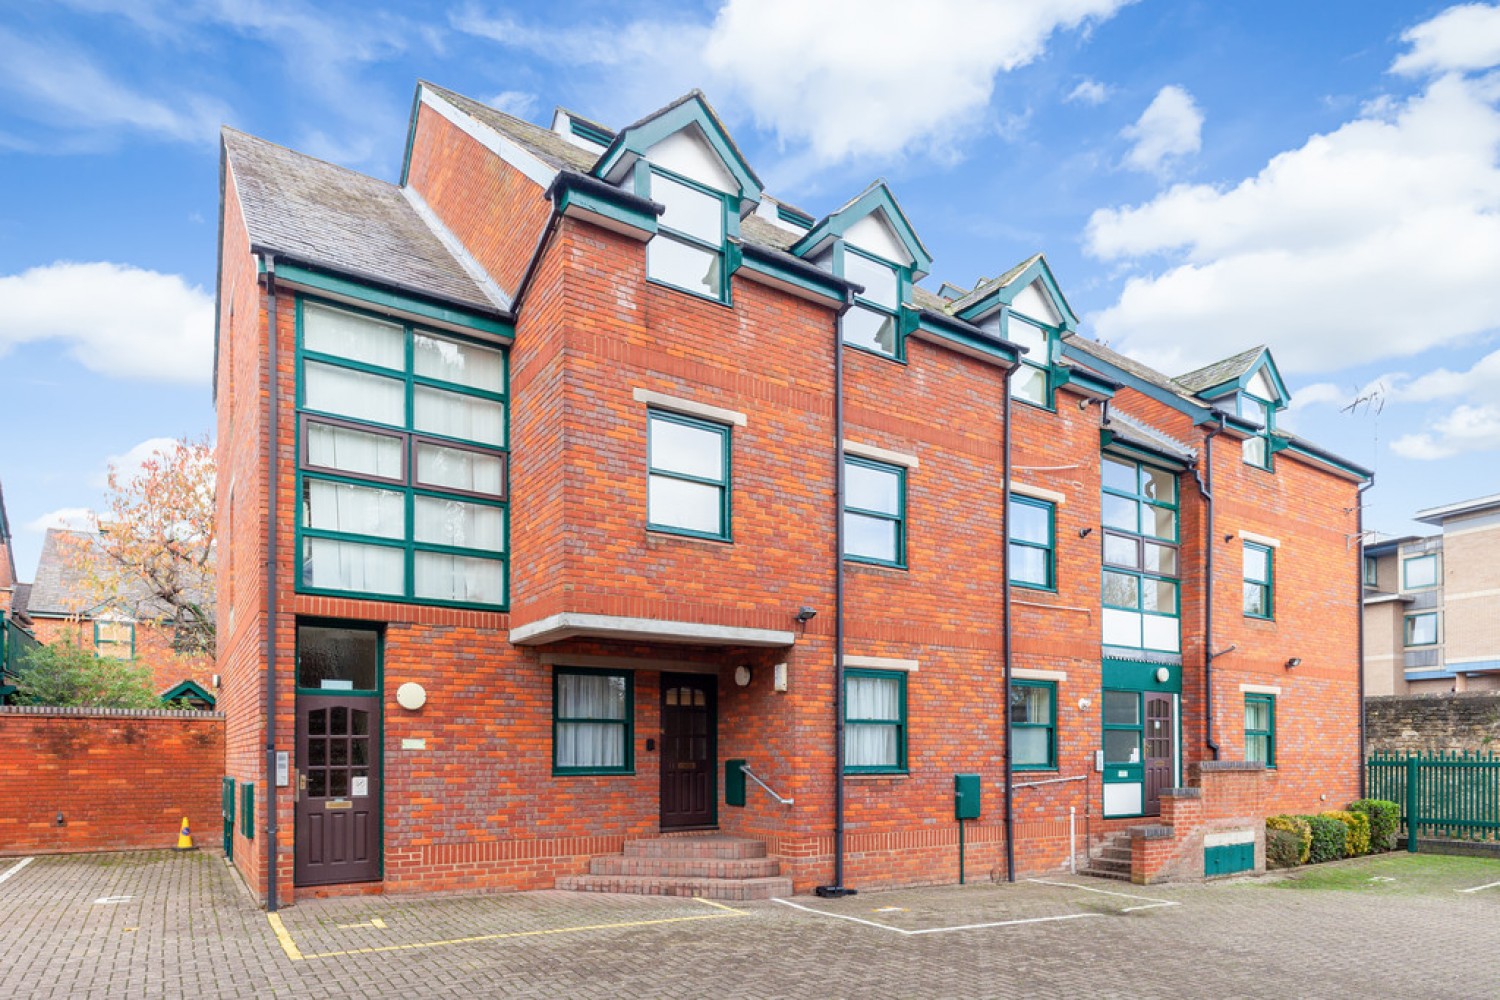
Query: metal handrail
745	769
1050	781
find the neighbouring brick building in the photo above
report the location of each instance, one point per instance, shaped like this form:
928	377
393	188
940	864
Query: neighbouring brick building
535	473
1432	604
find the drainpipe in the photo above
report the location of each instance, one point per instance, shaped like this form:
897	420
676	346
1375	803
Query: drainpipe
1206	489
274	424
1359	609
838	889
1010	792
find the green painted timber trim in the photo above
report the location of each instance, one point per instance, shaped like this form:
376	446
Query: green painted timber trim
1130	675
382	299
814	280
927	322
591	201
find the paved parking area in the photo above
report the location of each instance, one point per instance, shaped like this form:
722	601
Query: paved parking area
170	925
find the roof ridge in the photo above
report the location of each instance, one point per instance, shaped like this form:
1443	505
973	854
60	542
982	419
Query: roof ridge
303	156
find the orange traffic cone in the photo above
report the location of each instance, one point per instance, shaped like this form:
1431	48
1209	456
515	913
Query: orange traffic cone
184	837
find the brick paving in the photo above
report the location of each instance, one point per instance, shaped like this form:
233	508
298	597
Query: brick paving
158	924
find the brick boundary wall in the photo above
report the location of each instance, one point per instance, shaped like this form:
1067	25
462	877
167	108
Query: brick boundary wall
121	779
1228	798
1424	723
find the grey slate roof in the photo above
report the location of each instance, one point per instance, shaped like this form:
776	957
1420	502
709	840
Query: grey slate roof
1139	432
545	144
1144	372
20	597
1220	372
61	586
326	216
986	286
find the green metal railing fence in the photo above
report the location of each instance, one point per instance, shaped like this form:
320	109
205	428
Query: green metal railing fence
1450	796
15	642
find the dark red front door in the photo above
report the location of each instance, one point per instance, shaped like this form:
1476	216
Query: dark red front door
1160	737
689	755
338	790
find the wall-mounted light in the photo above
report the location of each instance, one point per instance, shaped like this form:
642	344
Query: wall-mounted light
806	614
1295	661
1084	532
742	676
1228	538
1163	675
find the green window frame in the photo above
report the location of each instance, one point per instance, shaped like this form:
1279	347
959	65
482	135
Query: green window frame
1032	558
888	518
675	243
1416	629
874	721
1132	725
1033	724
247	810
1427	565
1256	450
873	322
1260	728
431	485
1032	382
114	638
1372	575
593	723
663	477
1140	552
1259	582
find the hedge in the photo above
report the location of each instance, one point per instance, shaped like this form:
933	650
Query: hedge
1330	838
1283	848
1358	824
1295	825
1384	818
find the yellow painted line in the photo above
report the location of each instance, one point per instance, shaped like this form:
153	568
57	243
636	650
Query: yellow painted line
287	944
290	947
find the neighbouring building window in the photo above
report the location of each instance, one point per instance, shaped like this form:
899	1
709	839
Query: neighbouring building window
1371	576
1419	572
687	484
1030	383
874	512
1033	724
1140	585
114	638
1260	728
1257	449
872	322
402	472
1422	630
1033	537
592	721
1258	581
687	251
874	721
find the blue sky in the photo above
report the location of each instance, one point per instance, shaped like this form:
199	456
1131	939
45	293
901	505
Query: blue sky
1321	177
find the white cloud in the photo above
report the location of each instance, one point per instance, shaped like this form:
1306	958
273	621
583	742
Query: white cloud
1379	239
1460	39
519	103
1169	128
842	78
1466	429
73	518
1320	394
1090	92
115	319
1480	382
128	466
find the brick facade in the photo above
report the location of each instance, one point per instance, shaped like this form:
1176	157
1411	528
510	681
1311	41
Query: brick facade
471	800
153	649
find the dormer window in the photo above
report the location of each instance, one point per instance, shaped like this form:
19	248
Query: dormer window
687	251
871	323
1029	383
1257	450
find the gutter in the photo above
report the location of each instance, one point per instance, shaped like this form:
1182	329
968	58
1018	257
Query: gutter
1005	636
1359	593
274	424
1206	489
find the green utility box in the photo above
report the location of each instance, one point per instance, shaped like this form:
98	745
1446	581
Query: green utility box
734	782
966	796
1226	859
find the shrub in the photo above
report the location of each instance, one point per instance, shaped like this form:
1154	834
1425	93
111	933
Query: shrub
1385	820
1283	848
1329	838
1358	824
68	676
1295	825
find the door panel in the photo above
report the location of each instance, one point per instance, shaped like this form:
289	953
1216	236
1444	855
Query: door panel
1161	738
689	751
338	794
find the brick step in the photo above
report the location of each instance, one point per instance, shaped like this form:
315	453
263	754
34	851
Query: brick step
619	864
732	889
1115	852
1110	865
1110	873
714	846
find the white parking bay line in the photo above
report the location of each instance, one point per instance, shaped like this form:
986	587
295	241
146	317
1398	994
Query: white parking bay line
1475	889
1151	901
15	868
933	930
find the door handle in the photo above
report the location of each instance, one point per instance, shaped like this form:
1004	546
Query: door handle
300	788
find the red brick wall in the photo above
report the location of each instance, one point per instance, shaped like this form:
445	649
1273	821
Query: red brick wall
1226	799
121	780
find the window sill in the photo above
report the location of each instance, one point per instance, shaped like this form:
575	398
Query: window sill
1035	588
591	773
1044	407
1268	619
870	564
897	358
877	776
659	283
675	535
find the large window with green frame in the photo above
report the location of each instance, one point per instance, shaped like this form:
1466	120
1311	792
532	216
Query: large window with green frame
114	638
1033	540
687	251
401	480
874	512
1259	574
874	721
1030	382
873	322
1260	728
1140	541
593	720
1256	450
1033	725
688	475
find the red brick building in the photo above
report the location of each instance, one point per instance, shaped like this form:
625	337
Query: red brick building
574	469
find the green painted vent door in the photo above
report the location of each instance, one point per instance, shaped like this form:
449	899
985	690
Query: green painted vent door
1226	859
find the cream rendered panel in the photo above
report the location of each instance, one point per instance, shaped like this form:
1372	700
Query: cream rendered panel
1124	800
1034	302
874	234
1260	387
688	153
1471	591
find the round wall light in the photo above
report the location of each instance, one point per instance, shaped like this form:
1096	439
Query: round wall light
411	696
742	676
1163	675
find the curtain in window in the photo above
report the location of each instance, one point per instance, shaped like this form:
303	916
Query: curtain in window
355	510
354	394
465	525
444	577
872	745
453	415
336	565
458	469
349	450
350	335
590	744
